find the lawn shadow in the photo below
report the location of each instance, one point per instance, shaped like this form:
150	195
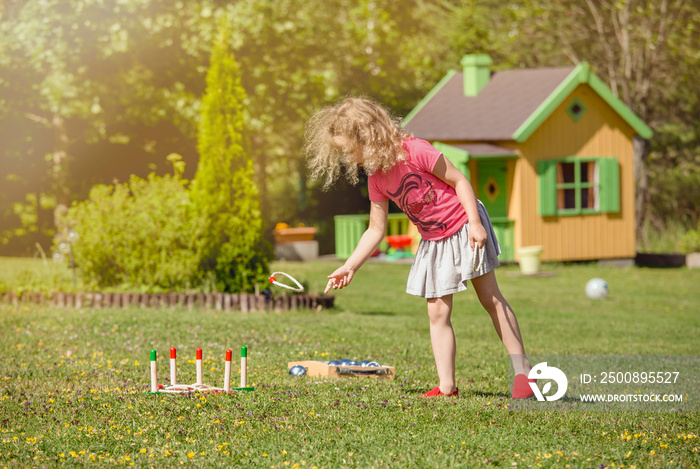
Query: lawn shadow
489	394
465	393
375	313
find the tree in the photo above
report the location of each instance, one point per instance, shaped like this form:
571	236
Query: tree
646	51
224	189
108	88
297	55
91	91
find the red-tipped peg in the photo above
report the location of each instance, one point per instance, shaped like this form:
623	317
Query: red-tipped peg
173	352
273	279
199	354
229	354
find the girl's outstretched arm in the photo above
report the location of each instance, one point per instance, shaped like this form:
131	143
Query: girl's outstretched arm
369	242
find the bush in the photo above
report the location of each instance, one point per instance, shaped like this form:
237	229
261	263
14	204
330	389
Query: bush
141	234
691	241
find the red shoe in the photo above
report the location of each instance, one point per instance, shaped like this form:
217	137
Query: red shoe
436	392
521	387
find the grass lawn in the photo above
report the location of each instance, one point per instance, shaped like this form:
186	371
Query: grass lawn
72	382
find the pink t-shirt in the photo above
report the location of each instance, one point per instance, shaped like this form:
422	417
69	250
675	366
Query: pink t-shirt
430	203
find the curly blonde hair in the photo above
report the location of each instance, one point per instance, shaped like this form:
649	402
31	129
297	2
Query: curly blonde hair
355	132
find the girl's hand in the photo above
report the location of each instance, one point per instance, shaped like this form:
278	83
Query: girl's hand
339	279
477	235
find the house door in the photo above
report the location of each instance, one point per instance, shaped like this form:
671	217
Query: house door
492	193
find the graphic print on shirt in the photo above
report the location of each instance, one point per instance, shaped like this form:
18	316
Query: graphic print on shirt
413	187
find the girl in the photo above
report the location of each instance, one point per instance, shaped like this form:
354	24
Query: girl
440	201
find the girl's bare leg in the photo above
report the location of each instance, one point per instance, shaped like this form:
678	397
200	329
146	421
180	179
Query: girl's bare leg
503	318
442	338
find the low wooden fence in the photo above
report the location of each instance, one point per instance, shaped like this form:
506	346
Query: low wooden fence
243	302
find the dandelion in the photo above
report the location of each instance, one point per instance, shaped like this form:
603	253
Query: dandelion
190	455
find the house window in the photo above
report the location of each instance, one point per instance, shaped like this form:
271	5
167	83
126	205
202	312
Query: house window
579	186
576	109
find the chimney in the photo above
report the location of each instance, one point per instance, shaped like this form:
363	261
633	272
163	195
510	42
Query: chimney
477	72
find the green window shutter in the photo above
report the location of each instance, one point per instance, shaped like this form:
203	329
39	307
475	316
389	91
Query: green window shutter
547	170
609	176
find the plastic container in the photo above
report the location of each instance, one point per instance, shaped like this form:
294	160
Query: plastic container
530	259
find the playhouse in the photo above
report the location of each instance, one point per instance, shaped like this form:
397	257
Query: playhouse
548	151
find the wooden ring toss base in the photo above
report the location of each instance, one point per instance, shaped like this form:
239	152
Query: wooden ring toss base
316	369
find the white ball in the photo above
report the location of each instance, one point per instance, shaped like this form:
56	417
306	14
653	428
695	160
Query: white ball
597	289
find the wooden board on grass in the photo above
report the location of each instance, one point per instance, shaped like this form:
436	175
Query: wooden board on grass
324	370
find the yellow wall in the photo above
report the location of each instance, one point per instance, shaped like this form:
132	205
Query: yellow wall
600	132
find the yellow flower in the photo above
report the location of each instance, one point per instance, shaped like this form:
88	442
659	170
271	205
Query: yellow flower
190	455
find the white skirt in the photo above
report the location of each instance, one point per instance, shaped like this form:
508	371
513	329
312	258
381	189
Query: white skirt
442	267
